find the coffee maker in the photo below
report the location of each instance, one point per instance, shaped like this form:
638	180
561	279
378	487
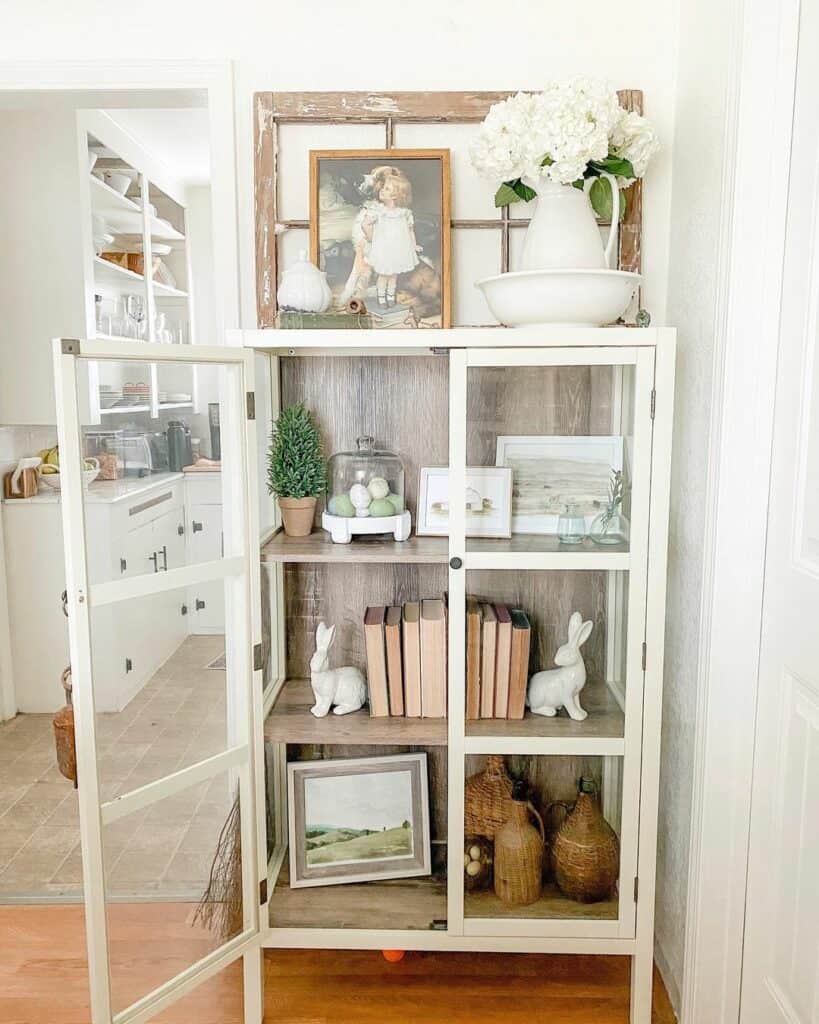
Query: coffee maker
180	450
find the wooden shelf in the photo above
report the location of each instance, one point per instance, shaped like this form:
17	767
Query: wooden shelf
542	551
290	721
124	215
112	273
404	903
318	547
123	410
601	733
552	905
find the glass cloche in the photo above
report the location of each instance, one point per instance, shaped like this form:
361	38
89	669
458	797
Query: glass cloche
365	493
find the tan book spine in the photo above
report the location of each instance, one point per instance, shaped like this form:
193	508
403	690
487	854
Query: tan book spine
519	663
489	647
412	659
376	662
433	659
395	675
473	659
503	659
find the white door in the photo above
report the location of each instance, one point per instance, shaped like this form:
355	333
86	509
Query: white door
780	976
171	786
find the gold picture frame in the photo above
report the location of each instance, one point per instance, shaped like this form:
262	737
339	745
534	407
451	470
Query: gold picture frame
344	206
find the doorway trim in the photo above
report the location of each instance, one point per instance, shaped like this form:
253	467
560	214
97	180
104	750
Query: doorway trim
760	105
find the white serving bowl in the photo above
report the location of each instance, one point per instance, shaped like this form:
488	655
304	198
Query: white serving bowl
559	298
117	180
52	480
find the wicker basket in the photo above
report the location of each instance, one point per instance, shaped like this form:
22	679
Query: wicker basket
585	852
487	799
519	853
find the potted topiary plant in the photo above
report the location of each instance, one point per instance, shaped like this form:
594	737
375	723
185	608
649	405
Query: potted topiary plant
296	473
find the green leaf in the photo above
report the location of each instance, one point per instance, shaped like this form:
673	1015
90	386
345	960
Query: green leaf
616	165
546	161
523	191
506	195
514	192
600	197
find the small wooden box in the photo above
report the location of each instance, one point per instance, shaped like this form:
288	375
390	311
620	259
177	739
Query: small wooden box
28	484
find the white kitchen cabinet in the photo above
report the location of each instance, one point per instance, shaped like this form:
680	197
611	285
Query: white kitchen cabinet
203	534
134	528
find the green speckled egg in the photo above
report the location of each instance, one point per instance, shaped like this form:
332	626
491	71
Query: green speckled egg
396	501
382	507
340	505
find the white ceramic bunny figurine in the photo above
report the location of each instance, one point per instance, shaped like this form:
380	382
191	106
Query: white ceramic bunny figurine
344	687
560	687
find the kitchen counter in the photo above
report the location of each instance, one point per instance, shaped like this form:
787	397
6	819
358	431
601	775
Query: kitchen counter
106	491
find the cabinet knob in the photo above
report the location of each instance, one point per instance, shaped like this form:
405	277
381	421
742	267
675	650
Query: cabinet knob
128	665
123	565
180	530
455	563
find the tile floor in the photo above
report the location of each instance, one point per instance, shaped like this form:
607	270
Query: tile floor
164	850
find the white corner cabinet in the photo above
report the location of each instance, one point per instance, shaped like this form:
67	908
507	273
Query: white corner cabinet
46	164
153	524
436	398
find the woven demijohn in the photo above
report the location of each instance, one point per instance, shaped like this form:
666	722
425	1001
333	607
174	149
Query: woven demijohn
64	734
487	799
519	854
586	853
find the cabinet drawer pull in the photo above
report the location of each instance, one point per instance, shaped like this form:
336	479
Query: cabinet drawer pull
155	559
196	527
164	554
136	509
123	565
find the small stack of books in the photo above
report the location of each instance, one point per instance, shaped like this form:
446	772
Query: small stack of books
497	660
406	659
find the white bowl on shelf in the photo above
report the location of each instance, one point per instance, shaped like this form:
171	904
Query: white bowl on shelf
117	180
559	298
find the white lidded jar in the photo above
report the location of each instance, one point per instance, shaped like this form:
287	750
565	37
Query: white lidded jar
304	287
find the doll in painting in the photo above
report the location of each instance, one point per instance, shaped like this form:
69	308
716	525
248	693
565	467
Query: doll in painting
389	228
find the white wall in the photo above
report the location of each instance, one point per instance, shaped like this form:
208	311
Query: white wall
704	64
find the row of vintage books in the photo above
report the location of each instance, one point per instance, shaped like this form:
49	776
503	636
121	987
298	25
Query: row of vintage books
497	660
407	659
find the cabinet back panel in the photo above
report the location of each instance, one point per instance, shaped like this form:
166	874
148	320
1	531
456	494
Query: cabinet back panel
401	401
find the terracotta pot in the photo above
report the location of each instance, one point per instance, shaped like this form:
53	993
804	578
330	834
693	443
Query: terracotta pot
298	515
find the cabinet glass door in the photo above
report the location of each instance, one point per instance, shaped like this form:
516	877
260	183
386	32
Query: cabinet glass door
550	472
167	715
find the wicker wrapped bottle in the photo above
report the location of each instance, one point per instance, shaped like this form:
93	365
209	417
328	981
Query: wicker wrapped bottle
519	853
487	799
586	853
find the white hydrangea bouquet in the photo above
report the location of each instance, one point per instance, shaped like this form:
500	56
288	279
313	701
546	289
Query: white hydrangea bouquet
572	130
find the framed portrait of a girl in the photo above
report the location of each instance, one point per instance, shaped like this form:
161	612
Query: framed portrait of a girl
379	228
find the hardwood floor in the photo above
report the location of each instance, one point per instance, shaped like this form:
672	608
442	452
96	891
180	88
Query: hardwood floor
43	981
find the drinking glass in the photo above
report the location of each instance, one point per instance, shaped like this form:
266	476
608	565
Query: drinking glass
571	525
135	310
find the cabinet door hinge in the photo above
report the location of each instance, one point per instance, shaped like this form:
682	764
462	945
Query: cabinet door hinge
636	887
645	653
123	565
128	665
251	405
653	402
183	610
262	892
199	605
258	659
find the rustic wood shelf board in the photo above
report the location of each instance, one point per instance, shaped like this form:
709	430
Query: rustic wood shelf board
290	721
407	903
551	905
318	547
605	721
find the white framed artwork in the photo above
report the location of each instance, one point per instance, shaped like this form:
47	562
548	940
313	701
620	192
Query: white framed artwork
550	472
488	502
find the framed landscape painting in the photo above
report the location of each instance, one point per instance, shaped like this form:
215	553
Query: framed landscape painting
550	472
379	229
488	502
358	820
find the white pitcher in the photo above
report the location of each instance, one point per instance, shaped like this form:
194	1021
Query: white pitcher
563	232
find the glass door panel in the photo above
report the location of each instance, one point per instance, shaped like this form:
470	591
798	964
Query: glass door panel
164	706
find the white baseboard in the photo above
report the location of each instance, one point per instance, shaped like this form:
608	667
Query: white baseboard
671	983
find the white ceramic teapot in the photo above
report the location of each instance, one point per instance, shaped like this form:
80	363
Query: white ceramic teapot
304	287
563	232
